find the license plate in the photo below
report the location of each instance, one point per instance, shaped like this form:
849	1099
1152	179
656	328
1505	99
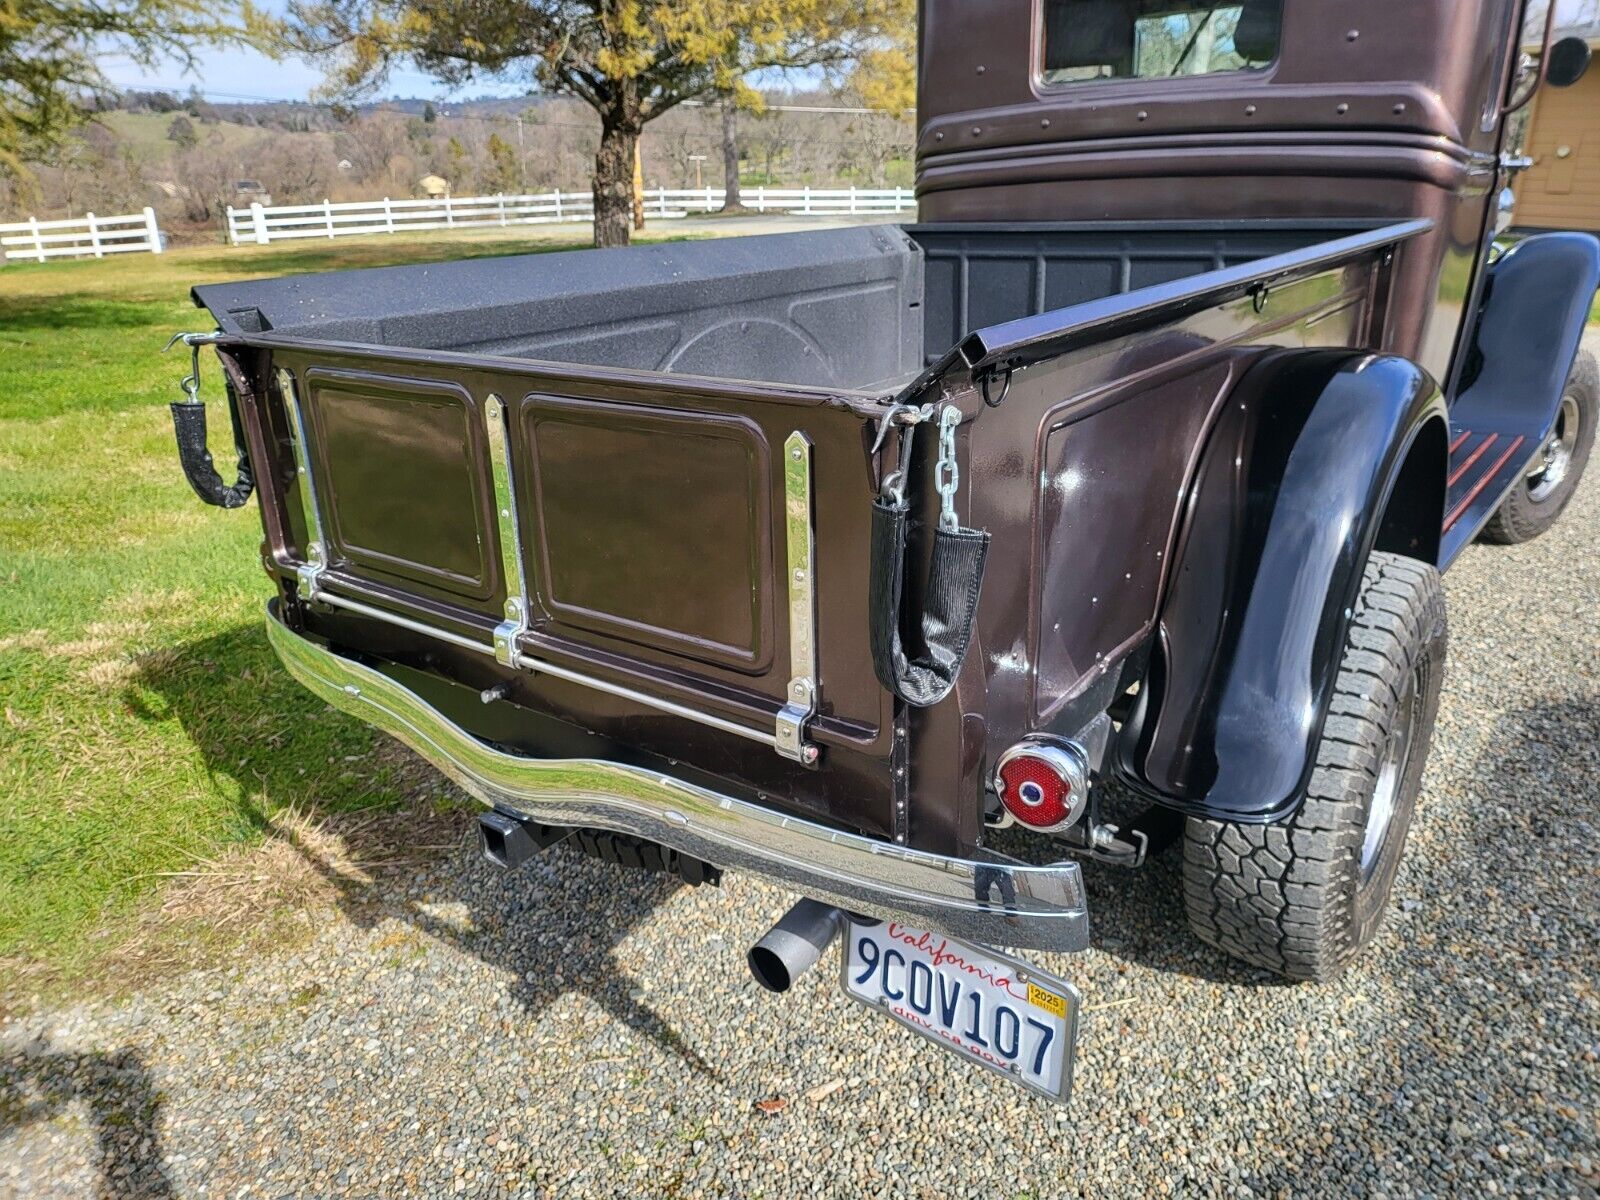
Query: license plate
986	1006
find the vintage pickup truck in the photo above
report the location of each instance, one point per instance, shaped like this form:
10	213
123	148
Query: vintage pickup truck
905	567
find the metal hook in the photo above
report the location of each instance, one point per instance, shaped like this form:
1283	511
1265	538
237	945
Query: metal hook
899	413
894	483
191	382
1005	388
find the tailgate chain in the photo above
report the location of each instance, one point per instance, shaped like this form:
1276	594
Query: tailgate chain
955	578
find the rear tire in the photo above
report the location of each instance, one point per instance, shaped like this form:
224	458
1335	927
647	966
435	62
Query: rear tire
1301	897
1539	498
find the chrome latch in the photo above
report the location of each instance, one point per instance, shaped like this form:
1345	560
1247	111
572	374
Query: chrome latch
800	698
309	573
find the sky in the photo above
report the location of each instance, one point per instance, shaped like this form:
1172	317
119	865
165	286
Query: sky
238	74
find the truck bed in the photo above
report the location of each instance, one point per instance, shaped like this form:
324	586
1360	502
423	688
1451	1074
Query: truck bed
634	446
860	309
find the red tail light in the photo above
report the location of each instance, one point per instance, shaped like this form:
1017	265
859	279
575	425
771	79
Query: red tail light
1044	785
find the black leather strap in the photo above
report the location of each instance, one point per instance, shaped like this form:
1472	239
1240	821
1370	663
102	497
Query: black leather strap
189	424
955	577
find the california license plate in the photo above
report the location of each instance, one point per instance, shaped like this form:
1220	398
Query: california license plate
981	1004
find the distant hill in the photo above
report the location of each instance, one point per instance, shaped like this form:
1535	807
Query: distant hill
186	154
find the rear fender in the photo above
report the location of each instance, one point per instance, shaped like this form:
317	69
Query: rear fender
1288	501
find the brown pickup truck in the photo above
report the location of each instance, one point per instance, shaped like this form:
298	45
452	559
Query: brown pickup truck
907	566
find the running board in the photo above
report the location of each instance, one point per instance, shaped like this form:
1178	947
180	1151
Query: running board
1484	467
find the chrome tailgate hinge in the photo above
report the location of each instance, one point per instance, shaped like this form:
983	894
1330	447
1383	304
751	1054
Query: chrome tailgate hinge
309	573
800	698
496	423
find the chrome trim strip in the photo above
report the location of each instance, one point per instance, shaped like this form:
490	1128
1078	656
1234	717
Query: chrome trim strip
360	608
496	424
998	902
539	666
656	702
310	572
801	704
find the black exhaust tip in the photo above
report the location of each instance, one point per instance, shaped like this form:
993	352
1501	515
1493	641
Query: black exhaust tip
504	840
769	969
791	947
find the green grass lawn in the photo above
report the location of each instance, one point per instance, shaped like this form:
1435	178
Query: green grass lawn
144	723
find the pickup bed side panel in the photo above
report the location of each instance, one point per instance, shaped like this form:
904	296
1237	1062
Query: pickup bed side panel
1282	514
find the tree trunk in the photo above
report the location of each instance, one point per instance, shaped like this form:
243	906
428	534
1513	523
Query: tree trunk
732	201
638	186
613	180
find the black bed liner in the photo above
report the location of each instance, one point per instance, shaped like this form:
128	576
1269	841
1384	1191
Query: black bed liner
858	308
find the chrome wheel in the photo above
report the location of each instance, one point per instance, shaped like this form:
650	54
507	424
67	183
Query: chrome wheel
1554	461
1391	773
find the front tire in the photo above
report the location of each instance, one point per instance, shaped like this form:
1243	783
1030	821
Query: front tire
1301	897
1540	496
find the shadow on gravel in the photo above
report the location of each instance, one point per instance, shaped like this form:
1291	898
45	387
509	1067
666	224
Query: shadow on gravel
119	1105
554	924
1482	1052
1136	914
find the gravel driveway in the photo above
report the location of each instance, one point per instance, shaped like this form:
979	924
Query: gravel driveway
579	1030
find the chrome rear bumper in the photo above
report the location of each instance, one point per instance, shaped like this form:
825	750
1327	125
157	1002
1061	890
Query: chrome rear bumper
996	902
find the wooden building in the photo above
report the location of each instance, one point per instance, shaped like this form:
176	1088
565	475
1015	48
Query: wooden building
1562	188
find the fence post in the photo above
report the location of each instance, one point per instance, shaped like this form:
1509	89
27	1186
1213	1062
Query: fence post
258	219
327	216
38	242
449	214
852	199
661	193
94	236
806	204
388	216
233	234
502	199
152	230
709	200
558	203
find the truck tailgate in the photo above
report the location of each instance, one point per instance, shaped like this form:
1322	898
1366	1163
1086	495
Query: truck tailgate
660	561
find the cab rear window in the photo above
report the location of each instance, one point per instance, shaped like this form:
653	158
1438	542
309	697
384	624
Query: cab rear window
1155	39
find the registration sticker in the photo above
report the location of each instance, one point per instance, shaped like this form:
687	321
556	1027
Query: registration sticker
983	1004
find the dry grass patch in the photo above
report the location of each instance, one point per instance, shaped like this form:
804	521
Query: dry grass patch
252	899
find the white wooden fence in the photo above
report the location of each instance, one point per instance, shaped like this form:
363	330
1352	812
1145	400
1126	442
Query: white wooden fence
88	237
258	224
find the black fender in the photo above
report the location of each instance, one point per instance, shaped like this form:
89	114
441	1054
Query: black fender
1529	326
1287	502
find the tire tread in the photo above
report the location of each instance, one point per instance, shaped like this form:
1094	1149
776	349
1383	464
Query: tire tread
1281	896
